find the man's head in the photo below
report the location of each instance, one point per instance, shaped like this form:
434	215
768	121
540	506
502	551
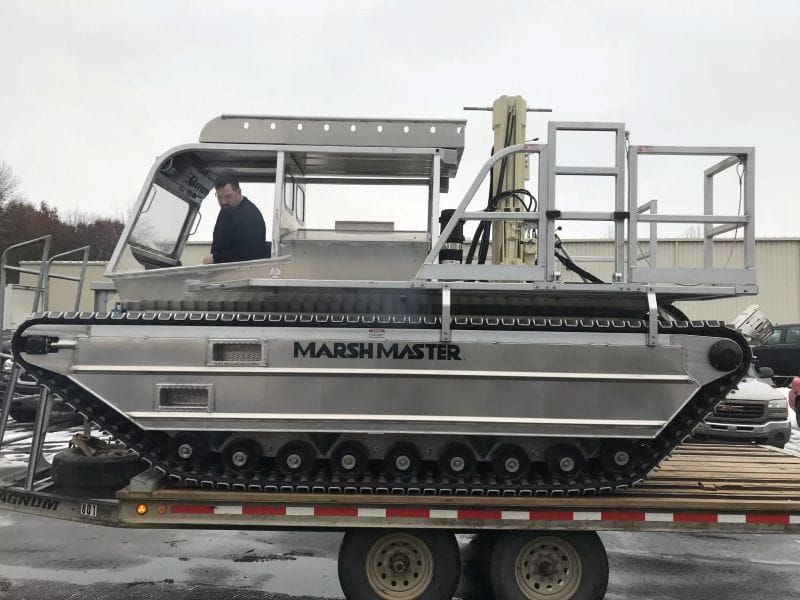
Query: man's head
229	194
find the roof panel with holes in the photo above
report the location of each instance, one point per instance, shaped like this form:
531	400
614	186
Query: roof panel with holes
318	131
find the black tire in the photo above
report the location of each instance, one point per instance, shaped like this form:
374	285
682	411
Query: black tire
238	449
410	454
20	415
303	450
196	445
613	452
462	452
356	453
553	459
73	469
359	550
580	551
511	452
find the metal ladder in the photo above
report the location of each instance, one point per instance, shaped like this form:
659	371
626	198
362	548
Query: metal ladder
618	216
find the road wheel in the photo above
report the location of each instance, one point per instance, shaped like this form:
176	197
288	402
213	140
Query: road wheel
399	565
546	565
619	457
349	460
295	458
511	462
403	461
564	462
111	469
188	449
458	461
241	455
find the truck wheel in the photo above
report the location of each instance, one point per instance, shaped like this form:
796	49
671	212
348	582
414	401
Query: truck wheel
547	565
399	565
112	470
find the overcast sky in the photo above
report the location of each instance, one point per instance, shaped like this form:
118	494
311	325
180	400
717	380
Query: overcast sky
94	90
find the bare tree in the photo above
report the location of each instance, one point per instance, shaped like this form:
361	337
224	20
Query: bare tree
693	232
9	183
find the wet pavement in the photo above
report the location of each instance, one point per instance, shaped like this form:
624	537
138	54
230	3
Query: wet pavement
58	560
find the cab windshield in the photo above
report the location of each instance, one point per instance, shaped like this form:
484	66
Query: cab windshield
161	222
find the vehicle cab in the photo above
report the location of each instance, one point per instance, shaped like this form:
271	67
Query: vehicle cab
294	155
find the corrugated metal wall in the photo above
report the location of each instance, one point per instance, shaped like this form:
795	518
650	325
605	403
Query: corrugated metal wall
777	265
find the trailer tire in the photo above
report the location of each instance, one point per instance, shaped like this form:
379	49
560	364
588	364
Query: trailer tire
73	469
428	564
549	565
20	415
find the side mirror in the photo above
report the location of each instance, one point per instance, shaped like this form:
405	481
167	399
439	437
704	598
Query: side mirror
766	372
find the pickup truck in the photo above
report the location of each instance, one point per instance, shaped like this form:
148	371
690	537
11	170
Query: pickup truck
755	412
781	353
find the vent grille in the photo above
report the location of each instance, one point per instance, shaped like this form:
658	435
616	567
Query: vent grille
192	397
739	412
236	353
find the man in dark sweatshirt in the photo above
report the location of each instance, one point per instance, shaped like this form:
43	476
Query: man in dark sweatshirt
239	233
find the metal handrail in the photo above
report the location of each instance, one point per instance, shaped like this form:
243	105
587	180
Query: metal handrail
461	213
80	279
45	241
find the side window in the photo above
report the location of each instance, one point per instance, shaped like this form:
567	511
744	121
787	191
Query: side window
300	204
289	192
792	335
775	338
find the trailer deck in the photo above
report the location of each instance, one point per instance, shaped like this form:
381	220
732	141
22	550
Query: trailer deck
734	488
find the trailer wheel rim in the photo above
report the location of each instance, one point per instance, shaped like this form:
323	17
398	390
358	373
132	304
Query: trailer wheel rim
548	568
399	566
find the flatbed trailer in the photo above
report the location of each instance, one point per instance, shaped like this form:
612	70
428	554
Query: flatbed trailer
734	488
700	488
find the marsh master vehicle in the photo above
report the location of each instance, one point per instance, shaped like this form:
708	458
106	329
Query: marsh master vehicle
364	358
402	386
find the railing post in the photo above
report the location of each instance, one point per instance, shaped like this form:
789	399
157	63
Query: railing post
39	433
12	385
45	240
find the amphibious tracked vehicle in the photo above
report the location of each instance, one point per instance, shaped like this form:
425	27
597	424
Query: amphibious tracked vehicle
367	359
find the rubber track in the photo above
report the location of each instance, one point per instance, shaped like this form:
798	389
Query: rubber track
152	446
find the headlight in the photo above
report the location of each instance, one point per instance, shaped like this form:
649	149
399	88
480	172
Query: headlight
778	408
7	365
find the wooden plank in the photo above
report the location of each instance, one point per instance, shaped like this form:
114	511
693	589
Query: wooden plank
712	476
722	460
732	484
731	470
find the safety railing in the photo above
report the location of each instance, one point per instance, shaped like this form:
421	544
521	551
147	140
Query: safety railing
617	171
742	279
709	280
489	272
80	279
41	297
41	281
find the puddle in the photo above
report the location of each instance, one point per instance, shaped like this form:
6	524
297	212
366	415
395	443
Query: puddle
290	575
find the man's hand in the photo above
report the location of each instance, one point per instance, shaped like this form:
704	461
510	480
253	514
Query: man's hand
209	260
